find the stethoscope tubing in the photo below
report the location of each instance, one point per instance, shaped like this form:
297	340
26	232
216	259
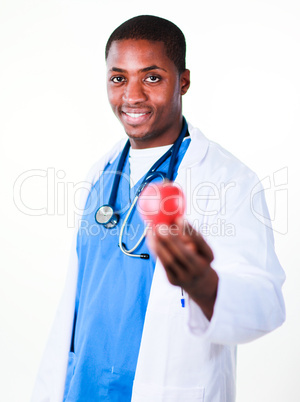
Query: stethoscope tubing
150	176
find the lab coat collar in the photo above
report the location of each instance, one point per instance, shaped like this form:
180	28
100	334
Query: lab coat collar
194	154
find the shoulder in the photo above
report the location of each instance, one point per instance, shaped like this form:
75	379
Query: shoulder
217	163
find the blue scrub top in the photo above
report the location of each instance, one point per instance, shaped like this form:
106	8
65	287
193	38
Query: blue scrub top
112	296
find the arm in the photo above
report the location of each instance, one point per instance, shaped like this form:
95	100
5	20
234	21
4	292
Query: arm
236	297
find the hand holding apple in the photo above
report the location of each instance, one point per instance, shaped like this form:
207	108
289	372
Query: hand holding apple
184	253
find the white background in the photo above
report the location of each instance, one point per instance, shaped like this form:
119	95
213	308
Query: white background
245	86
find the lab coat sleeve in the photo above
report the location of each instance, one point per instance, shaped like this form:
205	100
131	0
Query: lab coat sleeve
249	299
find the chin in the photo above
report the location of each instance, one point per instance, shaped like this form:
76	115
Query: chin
137	133
139	137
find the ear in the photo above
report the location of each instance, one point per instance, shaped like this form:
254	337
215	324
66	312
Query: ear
185	81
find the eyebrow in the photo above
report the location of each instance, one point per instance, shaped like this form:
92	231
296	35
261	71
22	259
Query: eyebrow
143	70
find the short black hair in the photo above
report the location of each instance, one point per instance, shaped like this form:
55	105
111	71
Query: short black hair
154	29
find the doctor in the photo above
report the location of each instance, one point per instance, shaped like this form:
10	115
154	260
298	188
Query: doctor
121	333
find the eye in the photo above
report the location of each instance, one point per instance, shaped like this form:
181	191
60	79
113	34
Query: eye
152	78
117	79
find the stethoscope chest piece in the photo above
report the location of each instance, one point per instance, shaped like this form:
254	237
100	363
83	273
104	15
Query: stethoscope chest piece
105	216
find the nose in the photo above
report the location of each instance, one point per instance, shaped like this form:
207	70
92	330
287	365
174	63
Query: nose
134	92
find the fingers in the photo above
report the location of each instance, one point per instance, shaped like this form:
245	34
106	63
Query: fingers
183	266
188	235
180	255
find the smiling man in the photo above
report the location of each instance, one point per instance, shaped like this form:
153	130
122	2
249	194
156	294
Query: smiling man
159	320
145	89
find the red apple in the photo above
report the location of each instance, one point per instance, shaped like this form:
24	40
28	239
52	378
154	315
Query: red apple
161	203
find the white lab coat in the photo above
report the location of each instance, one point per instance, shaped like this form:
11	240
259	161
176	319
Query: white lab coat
183	356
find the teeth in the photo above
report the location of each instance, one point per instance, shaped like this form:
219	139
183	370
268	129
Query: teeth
135	115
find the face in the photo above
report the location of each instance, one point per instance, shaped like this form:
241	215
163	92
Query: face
144	90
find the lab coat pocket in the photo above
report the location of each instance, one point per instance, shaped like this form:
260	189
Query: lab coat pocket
150	393
70	372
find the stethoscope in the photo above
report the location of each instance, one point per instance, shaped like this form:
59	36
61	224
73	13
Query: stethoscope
106	216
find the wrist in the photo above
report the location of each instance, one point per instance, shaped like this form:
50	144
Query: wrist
204	291
204	286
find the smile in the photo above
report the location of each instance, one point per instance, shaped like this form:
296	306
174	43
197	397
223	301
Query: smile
135	117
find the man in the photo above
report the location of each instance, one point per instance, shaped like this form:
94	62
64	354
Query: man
122	333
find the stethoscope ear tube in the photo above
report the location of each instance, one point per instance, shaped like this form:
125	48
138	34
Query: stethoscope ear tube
121	244
143	256
147	180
